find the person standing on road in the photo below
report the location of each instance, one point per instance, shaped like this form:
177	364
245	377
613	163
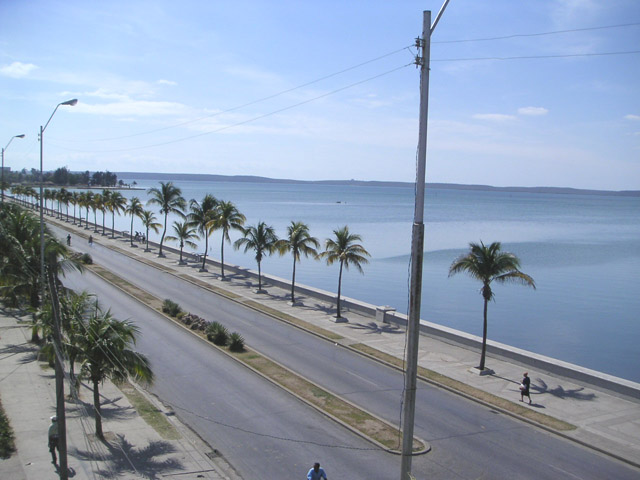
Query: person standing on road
316	473
69	240
53	439
524	388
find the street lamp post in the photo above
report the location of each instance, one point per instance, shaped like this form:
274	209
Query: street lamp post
60	411
2	174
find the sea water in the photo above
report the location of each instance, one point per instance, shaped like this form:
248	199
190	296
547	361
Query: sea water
583	252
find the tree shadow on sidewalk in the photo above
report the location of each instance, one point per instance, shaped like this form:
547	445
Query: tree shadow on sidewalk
373	327
561	392
123	457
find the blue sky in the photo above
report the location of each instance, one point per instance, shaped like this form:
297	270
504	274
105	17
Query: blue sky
239	88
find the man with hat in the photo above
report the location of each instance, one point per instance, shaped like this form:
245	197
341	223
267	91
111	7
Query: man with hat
53	439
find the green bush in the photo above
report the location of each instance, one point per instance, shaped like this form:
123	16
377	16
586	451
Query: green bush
218	334
86	259
171	308
236	342
7	440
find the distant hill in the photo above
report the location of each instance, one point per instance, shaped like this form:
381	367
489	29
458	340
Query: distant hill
194	177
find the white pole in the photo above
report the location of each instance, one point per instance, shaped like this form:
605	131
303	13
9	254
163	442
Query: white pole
417	251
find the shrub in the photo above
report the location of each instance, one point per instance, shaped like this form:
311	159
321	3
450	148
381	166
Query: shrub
236	342
171	308
218	334
86	259
7	439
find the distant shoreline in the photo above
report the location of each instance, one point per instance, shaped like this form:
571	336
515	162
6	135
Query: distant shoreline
194	177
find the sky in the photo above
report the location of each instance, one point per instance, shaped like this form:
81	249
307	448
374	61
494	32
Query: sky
521	93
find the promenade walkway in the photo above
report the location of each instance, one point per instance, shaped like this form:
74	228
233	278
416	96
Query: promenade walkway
606	422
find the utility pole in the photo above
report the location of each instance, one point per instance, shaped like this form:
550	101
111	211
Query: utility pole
417	249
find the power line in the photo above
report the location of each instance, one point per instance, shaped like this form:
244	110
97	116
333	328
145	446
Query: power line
269	97
244	122
540	34
530	57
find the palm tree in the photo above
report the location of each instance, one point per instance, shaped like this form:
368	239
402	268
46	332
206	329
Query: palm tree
104	206
345	250
134	209
184	234
116	204
65	197
75	201
298	241
169	198
489	264
97	203
262	239
227	217
105	351
149	221
200	217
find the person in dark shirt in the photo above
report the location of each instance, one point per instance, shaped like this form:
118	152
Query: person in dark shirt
524	388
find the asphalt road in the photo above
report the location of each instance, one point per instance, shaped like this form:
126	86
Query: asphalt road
468	440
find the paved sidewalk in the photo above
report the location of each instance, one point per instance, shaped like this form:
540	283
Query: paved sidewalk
607	422
133	448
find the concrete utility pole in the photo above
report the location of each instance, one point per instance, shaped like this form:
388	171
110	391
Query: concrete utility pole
60	411
417	249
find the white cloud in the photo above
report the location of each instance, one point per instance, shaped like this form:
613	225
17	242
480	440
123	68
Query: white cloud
632	117
532	111
17	69
166	82
494	117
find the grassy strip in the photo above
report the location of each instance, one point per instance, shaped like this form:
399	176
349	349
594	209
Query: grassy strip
294	320
7	438
149	412
382	432
489	398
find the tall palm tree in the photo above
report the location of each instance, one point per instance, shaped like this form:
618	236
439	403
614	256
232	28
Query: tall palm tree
75	201
184	235
227	217
345	250
200	217
490	264
104	206
97	203
149	221
105	351
262	240
116	204
134	209
299	241
169	198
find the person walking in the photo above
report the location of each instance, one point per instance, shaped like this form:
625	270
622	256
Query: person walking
525	385
53	439
91	240
69	240
316	473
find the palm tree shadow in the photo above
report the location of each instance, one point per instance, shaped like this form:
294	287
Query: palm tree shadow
373	327
29	352
125	458
561	392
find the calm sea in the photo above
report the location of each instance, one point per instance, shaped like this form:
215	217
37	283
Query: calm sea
582	250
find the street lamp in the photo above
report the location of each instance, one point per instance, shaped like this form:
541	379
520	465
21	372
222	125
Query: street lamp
2	174
62	429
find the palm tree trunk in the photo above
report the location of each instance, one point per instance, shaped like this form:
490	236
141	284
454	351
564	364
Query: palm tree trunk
98	413
163	233
131	231
293	280
113	225
339	288
222	256
206	249
484	336
259	278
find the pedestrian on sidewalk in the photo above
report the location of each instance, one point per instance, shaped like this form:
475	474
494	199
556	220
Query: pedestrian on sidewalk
69	240
524	387
316	473
91	240
53	439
